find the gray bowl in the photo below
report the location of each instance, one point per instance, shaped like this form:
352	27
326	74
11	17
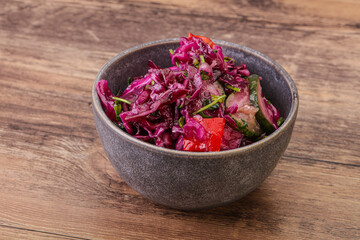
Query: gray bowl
193	180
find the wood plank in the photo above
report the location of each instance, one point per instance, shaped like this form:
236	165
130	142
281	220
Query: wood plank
10	232
291	199
331	110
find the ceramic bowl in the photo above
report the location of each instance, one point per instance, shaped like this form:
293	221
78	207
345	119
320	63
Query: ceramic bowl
194	180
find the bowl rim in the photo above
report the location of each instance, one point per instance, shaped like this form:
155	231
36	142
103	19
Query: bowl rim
201	155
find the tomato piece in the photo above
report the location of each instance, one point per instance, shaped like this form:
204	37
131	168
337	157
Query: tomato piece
214	128
205	39
194	145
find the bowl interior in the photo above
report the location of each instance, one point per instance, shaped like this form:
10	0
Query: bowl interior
134	63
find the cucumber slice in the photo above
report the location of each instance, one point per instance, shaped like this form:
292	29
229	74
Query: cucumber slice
245	113
238	98
263	116
243	127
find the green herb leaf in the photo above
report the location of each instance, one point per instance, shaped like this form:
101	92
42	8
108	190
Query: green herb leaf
196	63
177	64
207	102
130	80
280	121
228	59
214	100
232	88
218	98
181	121
176	61
121	100
202	59
117	108
204	75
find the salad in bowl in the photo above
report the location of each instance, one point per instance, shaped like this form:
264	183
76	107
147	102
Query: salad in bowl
204	102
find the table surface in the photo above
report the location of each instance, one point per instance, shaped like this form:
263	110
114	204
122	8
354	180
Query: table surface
55	180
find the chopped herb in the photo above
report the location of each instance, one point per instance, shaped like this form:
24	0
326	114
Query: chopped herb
219	99
232	88
196	63
207	102
130	80
204	75
181	121
280	121
214	100
117	108
202	59
176	61
121	100
228	59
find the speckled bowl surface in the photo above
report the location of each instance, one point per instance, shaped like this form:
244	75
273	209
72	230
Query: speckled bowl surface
193	180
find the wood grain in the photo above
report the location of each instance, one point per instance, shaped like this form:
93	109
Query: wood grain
55	180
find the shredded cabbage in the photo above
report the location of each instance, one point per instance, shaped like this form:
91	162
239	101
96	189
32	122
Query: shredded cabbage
160	106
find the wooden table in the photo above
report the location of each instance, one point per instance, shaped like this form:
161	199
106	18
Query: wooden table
55	180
